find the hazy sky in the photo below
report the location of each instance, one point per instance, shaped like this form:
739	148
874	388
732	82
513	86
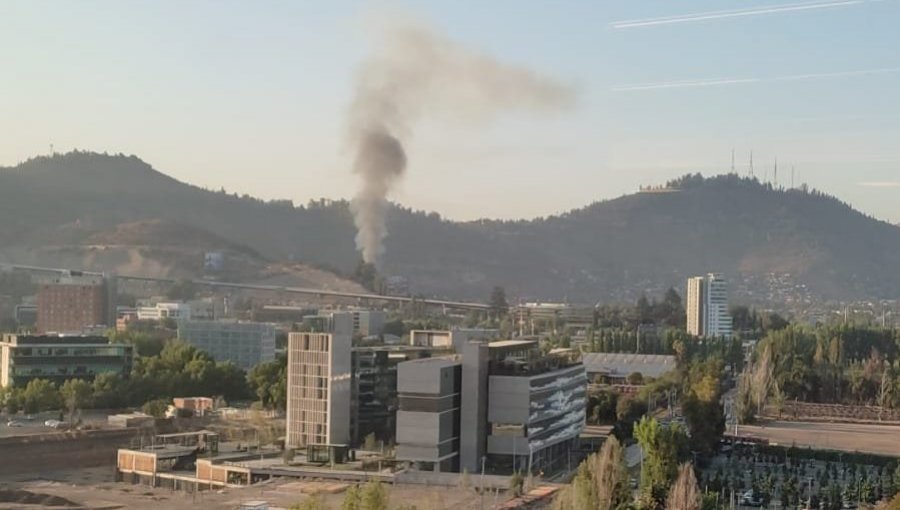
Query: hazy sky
251	96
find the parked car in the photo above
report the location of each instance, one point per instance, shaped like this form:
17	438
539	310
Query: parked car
13	423
52	423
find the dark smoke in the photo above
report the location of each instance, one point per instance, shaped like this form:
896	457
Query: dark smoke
414	73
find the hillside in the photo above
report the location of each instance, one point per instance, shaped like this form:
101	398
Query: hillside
614	249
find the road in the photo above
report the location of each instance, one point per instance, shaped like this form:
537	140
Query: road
848	437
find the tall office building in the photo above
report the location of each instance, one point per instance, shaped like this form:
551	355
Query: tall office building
707	307
75	302
504	403
318	389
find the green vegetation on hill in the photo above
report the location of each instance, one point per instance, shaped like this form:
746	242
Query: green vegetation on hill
609	249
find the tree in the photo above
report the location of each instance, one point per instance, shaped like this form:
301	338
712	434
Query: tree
269	382
182	290
366	274
40	395
76	393
662	448
11	399
374	496
313	502
497	302
610	477
352	499
684	494
156	408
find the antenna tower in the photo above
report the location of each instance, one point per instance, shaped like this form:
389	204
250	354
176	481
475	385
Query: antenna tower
776	171
732	160
751	164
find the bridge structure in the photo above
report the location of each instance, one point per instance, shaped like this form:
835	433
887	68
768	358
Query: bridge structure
214	284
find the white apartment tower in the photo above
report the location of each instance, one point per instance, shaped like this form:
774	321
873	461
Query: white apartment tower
318	389
707	307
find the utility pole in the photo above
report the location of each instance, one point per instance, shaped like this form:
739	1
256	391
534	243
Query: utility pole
483	459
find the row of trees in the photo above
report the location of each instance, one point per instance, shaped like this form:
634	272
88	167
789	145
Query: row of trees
667	481
844	365
178	369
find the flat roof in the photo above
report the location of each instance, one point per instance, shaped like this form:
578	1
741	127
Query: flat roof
440	361
651	365
499	344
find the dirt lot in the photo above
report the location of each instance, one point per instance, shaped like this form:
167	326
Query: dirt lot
849	437
95	489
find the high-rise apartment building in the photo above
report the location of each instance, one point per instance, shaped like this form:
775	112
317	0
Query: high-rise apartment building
74	303
318	389
707	307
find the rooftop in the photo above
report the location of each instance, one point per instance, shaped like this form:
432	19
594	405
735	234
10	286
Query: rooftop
650	365
501	344
55	339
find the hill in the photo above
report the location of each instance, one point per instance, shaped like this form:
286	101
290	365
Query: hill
776	245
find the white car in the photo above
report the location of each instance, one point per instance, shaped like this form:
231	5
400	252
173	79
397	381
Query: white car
13	423
52	423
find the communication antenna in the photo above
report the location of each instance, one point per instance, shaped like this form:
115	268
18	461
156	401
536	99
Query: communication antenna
792	176
52	152
751	164
732	160
776	171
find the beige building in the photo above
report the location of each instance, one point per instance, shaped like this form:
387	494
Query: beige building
319	389
694	305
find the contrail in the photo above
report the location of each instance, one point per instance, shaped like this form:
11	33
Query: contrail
739	81
735	13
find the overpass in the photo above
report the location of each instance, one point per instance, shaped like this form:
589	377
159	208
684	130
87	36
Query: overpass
257	287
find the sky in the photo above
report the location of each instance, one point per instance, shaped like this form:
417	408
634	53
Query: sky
252	96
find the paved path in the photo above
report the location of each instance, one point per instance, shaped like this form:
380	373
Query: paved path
849	437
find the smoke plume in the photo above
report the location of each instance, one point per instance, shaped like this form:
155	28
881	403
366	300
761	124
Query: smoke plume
413	73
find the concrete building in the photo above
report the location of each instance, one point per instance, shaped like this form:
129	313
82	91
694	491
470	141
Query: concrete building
614	368
532	317
428	422
518	408
707	307
454	338
374	399
246	344
59	358
318	389
71	303
160	311
363	323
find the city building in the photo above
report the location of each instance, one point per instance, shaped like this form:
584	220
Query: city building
614	368
707	307
318	389
199	406
73	302
246	344
518	408
532	317
454	338
59	358
160	311
428	420
373	397
364	323
26	315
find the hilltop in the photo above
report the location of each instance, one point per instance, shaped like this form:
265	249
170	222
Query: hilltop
612	249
